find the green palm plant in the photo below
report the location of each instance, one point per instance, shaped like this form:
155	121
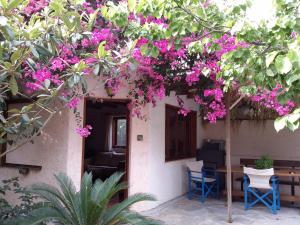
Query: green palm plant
88	206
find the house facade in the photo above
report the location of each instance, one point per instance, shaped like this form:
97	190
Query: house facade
61	149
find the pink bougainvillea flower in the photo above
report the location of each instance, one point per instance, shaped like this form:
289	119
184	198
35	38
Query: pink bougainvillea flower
294	35
84	131
73	103
269	100
183	111
85	43
57	64
35	6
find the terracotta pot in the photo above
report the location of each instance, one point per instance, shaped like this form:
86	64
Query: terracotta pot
109	91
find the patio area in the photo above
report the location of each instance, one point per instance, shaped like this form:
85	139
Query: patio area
182	211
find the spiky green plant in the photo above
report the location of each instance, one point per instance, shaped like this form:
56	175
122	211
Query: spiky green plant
88	206
264	162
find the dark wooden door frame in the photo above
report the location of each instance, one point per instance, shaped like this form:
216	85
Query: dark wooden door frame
128	130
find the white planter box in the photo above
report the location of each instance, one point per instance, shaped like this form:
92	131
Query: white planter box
259	178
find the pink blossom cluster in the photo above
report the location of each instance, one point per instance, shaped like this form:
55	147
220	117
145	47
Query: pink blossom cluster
37	78
35	6
149	84
84	131
184	111
204	68
193	76
99	35
69	54
73	103
52	71
294	35
57	64
217	111
215	107
216	93
90	6
227	44
211	99
269	99
150	19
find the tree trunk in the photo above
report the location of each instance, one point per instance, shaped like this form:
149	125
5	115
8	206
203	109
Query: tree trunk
228	159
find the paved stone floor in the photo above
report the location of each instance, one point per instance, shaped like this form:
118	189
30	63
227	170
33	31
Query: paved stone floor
182	211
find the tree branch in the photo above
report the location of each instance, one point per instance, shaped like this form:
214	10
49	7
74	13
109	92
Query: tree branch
28	140
236	102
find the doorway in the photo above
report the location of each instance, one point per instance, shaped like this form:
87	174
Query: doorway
106	150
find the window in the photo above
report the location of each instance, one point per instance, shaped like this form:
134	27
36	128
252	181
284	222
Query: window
181	133
119	132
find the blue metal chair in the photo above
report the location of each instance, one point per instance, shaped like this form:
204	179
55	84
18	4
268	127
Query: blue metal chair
202	181
257	185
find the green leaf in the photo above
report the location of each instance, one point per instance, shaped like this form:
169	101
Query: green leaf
15	56
104	11
131	5
3	3
283	64
280	123
92	19
34	52
47	83
101	50
2	118
13	85
270	58
42	50
71	20
154	52
144	49
292	79
206	72
57	6
2	141
294	117
270	73
25	118
96	69
8	33
293	126
14	3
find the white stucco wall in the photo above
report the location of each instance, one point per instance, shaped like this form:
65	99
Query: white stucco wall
167	180
49	151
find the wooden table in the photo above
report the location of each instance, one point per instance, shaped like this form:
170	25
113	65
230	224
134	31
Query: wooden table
280	172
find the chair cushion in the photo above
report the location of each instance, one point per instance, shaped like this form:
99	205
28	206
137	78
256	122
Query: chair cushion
195	165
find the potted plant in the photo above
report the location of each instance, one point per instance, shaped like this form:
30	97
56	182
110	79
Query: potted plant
265	162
